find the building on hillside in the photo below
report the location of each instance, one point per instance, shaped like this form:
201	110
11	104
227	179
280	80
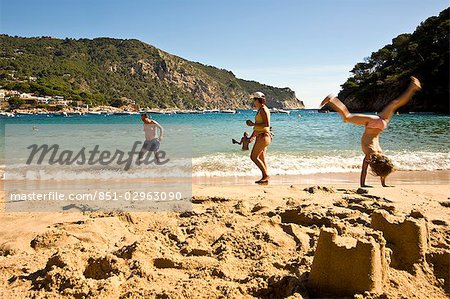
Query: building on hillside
63	102
43	100
59	101
2	95
12	93
29	99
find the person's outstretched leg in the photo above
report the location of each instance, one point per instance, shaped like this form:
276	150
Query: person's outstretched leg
402	100
339	107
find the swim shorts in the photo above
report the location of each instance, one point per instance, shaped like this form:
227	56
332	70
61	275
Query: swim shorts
151	145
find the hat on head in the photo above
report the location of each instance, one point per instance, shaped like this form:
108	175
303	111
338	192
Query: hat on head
257	95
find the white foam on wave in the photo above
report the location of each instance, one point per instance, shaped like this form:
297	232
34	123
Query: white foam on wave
94	175
239	164
285	164
421	160
177	169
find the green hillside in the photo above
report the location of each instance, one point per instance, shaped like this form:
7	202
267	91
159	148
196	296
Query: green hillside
103	70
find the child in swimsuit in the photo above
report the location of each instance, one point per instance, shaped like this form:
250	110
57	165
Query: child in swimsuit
380	165
245	141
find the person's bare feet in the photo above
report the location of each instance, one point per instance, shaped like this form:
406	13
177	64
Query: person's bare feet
415	84
326	100
264	180
366	186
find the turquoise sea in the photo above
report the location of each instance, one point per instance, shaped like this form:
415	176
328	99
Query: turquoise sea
305	141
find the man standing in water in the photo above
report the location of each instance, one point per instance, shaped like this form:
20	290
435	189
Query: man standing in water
151	143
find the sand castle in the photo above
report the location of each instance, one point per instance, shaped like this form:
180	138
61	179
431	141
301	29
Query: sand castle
345	265
406	236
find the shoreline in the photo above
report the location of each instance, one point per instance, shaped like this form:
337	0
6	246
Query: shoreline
413	177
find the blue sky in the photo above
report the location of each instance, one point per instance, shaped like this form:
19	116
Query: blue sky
309	46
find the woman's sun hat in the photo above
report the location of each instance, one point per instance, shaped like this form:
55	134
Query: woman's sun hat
257	95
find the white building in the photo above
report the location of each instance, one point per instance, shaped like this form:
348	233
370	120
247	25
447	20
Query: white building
42	100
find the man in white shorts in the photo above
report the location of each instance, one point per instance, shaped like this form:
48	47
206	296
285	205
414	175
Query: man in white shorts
152	142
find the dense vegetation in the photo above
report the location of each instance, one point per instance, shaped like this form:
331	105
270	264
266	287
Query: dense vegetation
382	76
103	70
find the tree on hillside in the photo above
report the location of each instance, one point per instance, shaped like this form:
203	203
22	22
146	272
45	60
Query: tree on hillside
15	102
424	54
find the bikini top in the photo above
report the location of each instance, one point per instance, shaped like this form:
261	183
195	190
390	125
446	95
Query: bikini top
377	123
259	126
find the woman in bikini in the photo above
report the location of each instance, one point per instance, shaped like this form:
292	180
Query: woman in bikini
380	165
261	131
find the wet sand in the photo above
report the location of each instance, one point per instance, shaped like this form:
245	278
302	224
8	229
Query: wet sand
347	178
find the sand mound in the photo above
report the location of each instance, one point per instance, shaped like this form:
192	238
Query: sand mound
62	271
306	218
315	189
364	205
101	267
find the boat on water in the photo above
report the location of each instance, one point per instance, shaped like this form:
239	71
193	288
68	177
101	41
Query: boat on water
158	112
154	112
60	114
276	110
7	114
24	113
75	113
230	111
93	113
126	113
190	112
284	111
211	111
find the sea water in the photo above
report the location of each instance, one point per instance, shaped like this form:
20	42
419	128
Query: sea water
304	142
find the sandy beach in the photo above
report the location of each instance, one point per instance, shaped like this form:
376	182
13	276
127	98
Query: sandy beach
217	149
240	241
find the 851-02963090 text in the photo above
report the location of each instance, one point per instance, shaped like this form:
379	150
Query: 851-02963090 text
97	195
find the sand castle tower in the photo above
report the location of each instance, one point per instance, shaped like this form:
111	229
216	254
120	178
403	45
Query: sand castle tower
345	265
